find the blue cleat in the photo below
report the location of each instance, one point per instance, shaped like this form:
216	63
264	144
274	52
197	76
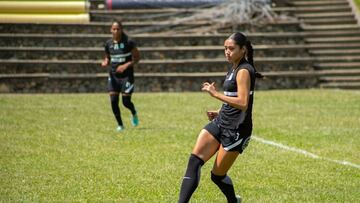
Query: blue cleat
120	128
135	120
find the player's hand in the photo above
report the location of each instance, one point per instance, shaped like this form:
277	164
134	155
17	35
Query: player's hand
212	114
104	63
209	87
120	69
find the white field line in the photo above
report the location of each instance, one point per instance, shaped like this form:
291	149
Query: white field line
301	151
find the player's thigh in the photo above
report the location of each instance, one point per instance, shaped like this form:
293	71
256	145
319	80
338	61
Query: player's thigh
206	145
224	160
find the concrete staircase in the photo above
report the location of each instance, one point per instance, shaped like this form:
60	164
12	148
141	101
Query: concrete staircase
332	16
291	53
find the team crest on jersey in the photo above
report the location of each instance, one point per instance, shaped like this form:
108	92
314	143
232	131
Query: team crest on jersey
122	45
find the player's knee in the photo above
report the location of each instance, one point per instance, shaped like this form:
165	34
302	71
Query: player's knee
114	99
218	179
126	100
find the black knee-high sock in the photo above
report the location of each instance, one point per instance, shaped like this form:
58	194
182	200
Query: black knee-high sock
115	108
126	100
226	186
191	178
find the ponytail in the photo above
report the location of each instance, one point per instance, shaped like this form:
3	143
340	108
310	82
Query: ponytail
250	58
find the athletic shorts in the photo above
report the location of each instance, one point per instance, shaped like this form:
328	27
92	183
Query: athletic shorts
123	85
231	140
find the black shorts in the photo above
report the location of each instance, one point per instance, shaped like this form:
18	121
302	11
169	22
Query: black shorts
231	140
123	85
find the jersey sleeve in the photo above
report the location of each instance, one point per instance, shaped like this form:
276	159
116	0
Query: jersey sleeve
131	44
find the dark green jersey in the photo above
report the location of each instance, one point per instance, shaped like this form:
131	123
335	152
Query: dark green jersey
120	53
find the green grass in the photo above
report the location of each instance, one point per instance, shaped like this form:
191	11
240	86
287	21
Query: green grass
64	148
357	2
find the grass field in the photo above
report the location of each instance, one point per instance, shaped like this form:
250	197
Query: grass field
357	2
64	148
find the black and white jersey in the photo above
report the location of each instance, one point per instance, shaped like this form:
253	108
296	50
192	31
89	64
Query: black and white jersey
230	117
120	53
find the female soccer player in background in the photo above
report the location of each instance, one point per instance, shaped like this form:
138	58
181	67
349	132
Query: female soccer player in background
121	54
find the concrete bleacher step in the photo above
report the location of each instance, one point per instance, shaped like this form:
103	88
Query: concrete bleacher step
313	9
333	39
319	3
53	83
87	40
325	15
101	15
138	27
160	52
338	72
341	85
97	40
337	65
152	13
340	78
332	52
147	66
331	21
353	27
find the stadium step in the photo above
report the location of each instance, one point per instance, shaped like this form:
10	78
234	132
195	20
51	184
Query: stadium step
153	40
189	52
325	15
340	78
175	52
341	85
136	27
334	73
333	39
331	21
332	52
148	66
177	82
319	3
97	40
337	65
314	9
353	27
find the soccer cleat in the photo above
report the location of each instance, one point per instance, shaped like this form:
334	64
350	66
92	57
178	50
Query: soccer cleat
120	128
238	199
135	120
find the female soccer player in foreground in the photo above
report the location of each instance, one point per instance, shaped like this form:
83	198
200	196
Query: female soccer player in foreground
122	55
229	130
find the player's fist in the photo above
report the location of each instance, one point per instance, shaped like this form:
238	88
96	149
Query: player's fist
105	62
212	114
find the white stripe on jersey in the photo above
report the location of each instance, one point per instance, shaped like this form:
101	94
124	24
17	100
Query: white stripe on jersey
119	58
234	94
230	94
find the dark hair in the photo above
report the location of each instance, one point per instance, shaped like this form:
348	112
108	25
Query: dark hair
241	40
119	22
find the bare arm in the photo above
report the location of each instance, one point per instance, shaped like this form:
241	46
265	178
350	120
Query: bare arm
243	88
